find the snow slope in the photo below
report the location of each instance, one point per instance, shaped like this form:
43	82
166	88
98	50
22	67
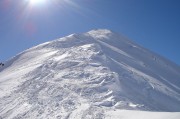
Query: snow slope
98	74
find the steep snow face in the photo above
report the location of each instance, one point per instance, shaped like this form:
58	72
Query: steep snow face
87	76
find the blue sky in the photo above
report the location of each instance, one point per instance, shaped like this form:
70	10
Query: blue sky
154	24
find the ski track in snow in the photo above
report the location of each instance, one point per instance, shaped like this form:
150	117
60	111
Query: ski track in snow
96	75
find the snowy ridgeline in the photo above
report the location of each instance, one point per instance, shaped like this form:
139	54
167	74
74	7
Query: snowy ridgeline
94	75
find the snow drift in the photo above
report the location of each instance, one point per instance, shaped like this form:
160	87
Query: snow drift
97	74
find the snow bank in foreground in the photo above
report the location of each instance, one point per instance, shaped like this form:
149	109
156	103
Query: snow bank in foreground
127	114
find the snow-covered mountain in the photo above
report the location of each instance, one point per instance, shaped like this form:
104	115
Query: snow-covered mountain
94	75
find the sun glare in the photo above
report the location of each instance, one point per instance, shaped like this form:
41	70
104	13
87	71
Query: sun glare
36	2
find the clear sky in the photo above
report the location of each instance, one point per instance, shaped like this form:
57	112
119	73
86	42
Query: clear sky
154	24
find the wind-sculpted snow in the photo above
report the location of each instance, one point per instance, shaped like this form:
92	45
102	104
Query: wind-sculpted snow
93	75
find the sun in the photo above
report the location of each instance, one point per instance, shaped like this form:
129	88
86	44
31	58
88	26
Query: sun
37	2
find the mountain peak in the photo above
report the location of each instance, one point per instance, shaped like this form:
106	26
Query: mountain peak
100	33
87	75
105	31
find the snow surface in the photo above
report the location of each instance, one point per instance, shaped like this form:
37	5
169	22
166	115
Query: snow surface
95	75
